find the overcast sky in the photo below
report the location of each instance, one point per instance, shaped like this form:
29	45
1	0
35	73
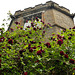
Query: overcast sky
14	5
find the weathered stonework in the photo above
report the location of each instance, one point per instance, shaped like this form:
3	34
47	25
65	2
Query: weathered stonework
62	19
50	12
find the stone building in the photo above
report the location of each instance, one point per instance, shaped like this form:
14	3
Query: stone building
50	12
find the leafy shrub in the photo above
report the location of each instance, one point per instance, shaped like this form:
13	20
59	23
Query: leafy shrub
23	52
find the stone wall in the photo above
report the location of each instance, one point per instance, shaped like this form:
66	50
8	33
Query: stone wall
49	17
53	17
62	19
55	30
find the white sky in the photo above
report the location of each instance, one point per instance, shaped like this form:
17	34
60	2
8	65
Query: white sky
14	5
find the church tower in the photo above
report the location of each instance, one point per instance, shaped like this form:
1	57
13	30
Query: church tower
59	17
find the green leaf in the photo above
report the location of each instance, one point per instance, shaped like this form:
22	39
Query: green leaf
7	57
51	68
25	46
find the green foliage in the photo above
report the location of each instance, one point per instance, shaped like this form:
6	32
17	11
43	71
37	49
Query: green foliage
24	51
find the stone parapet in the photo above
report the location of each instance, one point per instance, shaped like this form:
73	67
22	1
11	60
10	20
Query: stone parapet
49	4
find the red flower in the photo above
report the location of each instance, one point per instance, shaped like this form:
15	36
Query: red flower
26	34
43	51
73	68
61	53
43	31
21	28
45	25
66	56
10	41
0	40
21	51
30	32
29	46
39	52
26	21
59	37
37	19
0	29
49	24
24	44
37	61
60	41
37	27
69	38
16	23
32	25
48	45
3	47
23	35
18	58
25	73
18	27
19	35
28	26
9	47
0	65
73	27
39	46
39	42
34	29
63	37
0	55
31	50
11	29
64	30
71	61
42	21
0	60
33	42
40	28
34	47
71	34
